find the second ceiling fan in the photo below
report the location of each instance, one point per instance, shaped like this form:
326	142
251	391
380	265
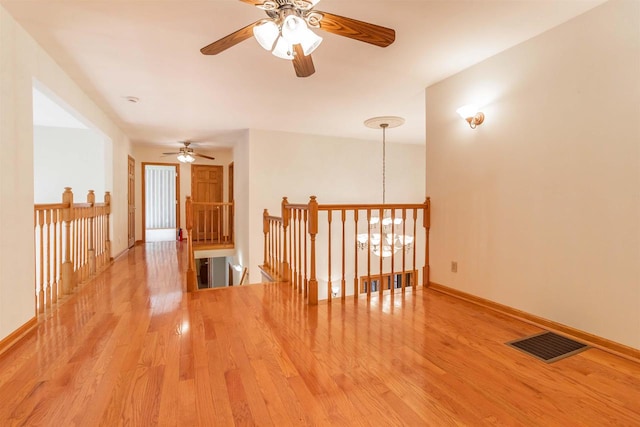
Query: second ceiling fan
286	32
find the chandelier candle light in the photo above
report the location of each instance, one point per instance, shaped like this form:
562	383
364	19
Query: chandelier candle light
388	241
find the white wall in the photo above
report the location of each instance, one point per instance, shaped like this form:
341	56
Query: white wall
66	157
336	170
540	205
22	61
241	190
149	154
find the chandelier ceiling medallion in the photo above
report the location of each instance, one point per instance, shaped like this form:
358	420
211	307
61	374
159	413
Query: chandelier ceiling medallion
384	237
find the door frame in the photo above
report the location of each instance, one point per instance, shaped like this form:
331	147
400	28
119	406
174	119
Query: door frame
144	194
131	222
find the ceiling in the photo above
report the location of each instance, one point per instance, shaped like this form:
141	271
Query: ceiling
150	50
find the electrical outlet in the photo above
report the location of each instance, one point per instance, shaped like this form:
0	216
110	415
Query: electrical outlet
454	266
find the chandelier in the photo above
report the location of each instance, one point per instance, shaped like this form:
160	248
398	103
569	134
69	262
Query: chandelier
288	25
383	238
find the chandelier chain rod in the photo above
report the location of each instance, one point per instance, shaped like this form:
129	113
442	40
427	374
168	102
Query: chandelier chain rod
384	162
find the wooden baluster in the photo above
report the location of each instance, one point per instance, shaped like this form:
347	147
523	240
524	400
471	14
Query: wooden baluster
343	283
276	247
306	278
300	282
393	250
232	223
91	246
54	290
220	230
426	223
48	296
41	299
285	225
404	250
369	248
107	246
191	272
265	231
272	247
329	289
67	270
356	287
415	268
292	246
313	231
380	284
83	244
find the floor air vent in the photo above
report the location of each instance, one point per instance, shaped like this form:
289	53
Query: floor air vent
548	346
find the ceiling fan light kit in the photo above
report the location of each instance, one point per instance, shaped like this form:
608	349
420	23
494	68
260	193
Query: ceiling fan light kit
187	155
286	32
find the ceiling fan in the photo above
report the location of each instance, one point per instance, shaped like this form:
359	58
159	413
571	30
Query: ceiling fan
187	155
286	34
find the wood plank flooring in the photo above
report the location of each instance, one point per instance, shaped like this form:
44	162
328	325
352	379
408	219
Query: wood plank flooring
132	349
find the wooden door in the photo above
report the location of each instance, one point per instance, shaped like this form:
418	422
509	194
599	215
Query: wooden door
131	197
206	187
230	234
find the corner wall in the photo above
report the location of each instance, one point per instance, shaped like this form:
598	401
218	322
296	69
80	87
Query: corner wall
336	170
21	61
540	205
150	154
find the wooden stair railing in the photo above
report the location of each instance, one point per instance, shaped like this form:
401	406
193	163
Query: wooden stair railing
292	240
209	226
72	245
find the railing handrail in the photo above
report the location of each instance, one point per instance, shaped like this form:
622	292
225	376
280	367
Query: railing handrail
290	244
326	207
47	206
72	244
212	203
210	225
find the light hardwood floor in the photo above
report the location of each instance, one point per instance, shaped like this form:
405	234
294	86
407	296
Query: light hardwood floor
131	348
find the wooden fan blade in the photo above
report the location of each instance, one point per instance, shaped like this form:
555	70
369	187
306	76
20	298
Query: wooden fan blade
301	63
170	154
204	156
357	30
253	2
229	41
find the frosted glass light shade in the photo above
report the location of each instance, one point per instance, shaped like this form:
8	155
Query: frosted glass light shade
310	41
467	111
283	49
186	158
266	34
294	29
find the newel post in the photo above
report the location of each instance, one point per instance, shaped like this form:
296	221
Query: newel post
191	271
313	231
286	272
265	230
107	207
67	275
91	249
426	220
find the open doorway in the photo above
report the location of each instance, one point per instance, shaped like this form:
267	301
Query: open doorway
160	201
68	151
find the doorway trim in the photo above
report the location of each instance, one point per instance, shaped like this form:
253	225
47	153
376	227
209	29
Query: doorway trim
144	194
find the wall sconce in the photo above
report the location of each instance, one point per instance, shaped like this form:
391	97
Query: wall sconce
471	114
